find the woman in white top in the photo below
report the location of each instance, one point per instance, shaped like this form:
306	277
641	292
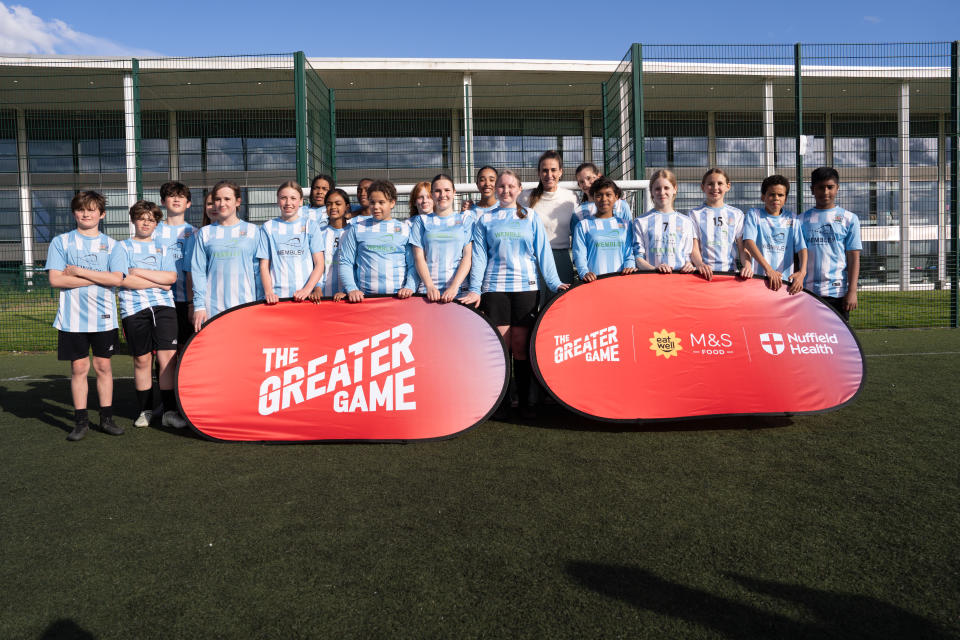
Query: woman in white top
555	207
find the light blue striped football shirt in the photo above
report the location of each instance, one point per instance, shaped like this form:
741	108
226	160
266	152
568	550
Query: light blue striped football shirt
224	267
176	240
330	242
829	234
375	257
91	308
289	246
507	250
718	229
663	238
150	255
317	214
588	209
777	237
442	240
602	245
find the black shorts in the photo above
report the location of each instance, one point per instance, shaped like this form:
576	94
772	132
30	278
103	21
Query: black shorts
74	346
839	304
151	329
184	326
517	308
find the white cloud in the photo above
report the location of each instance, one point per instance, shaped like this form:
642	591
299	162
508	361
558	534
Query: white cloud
872	19
23	32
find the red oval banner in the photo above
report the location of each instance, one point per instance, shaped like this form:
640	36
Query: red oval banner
384	369
653	346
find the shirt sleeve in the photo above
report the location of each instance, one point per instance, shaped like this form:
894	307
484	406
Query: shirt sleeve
544	253
580	252
750	226
416	232
348	254
119	262
628	257
690	231
738	229
198	268
622	210
478	262
852	242
799	242
639	250
56	255
315	233
263	243
168	262
411	280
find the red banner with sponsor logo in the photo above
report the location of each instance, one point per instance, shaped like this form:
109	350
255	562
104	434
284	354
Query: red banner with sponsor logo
655	346
384	369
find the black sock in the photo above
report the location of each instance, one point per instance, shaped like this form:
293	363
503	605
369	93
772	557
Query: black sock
169	402
106	412
523	372
144	399
80	416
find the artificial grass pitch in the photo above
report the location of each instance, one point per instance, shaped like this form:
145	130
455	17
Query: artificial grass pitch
835	525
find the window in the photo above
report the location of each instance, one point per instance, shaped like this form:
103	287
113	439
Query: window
785	143
401	139
676	139
740	139
248	140
865	140
8	142
10	216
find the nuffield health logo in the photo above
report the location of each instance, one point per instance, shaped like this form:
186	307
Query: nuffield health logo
772	343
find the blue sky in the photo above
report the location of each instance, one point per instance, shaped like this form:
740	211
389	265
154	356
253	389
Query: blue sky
553	30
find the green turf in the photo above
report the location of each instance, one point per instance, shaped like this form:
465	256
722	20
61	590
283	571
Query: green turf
837	525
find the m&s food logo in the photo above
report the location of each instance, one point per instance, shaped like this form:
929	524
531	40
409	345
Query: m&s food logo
666	344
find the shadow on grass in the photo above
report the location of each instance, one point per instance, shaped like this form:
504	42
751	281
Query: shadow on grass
48	400
558	417
64	629
841	615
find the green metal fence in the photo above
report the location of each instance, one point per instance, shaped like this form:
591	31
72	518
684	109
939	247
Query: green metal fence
124	127
884	115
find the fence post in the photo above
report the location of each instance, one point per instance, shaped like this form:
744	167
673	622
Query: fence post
131	135
954	180
333	135
903	153
137	132
300	96
603	105
798	115
26	199
639	158
468	125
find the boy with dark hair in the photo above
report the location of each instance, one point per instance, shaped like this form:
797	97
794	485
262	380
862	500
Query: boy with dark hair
832	235
176	235
772	236
81	264
147	309
316	208
362	208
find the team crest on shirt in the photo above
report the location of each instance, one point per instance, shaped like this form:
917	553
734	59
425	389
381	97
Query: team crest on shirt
103	247
838	218
666	344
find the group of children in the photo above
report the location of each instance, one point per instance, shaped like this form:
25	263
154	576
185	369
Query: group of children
506	254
